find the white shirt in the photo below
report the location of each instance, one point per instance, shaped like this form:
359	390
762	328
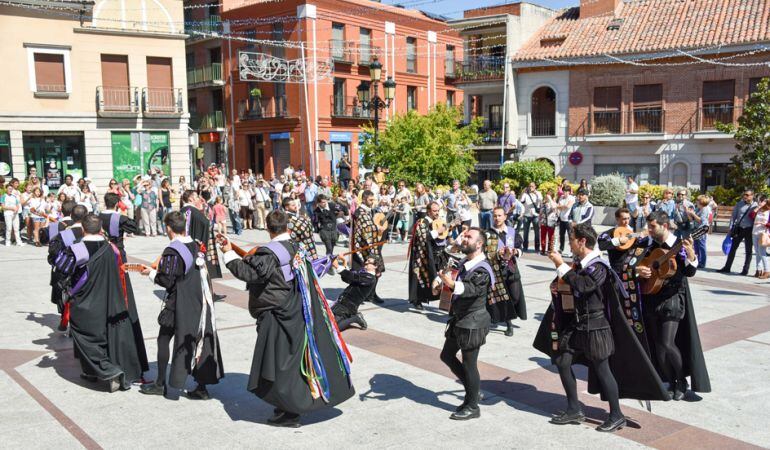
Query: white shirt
564	268
671	240
71	191
632	198
237	181
531	201
470	264
566	201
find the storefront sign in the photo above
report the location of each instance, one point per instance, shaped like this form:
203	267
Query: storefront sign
340	136
279	136
212	137
135	153
575	158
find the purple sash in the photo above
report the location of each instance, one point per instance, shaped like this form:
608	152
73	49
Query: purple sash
284	259
509	234
484	265
80	251
185	253
114	225
68	237
53	230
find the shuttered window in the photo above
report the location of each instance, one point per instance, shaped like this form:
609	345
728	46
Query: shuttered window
607	98
718	91
648	95
49	72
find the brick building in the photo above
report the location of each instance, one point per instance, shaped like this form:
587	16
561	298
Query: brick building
275	126
636	104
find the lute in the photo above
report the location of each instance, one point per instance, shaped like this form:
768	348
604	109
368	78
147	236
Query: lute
662	264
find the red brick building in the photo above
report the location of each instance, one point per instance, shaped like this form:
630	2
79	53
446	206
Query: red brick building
274	124
648	81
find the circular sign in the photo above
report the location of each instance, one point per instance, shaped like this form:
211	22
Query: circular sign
575	158
5	169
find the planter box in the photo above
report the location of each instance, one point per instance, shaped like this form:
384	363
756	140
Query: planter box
604	215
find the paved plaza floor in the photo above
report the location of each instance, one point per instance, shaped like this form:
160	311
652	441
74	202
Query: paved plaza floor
404	394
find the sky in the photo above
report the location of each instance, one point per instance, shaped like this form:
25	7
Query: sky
454	8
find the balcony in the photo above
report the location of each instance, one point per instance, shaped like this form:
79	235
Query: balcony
543	127
207	26
451	68
647	120
349	107
342	51
480	68
491	135
204	76
117	101
162	102
709	115
263	108
214	121
605	122
367	54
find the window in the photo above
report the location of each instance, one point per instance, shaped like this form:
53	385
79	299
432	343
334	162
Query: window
339	97
190	61
411	98
338	42
543	112
494	131
116	94
718	97
606	110
648	109
754	85
449	61
277	35
644	173
160	85
411	55
49	70
365	46
450	98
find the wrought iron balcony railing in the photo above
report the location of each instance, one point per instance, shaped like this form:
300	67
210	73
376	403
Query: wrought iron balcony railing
263	108
349	107
117	101
480	68
162	101
207	122
210	74
710	114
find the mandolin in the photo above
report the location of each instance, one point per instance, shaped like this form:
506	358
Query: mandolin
620	232
438	223
662	264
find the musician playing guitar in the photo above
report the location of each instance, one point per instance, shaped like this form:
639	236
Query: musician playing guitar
365	232
665	309
426	256
619	242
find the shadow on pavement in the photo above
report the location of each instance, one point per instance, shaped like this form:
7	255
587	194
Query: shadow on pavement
386	387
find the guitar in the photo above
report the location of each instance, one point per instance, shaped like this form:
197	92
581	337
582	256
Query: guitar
620	232
452	269
381	222
222	241
438	223
134	267
662	264
562	288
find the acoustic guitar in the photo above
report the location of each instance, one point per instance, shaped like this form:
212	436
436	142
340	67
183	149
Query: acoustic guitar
134	267
222	241
437	224
662	264
452	269
381	222
620	232
562	288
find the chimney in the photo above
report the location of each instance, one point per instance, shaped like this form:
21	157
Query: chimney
593	8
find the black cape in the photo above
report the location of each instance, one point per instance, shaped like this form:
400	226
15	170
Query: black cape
102	336
276	370
185	297
635	374
200	230
55	247
426	259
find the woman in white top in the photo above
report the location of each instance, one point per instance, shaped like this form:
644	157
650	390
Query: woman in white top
244	201
761	225
37	215
11	207
463	204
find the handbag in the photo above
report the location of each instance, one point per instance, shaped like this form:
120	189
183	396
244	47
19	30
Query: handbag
764	239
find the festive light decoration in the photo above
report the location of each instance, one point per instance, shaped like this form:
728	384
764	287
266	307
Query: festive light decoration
270	69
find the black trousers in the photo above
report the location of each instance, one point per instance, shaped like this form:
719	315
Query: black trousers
609	386
563	230
329	238
165	336
743	234
466	371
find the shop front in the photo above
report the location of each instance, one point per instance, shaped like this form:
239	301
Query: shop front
339	146
6	167
55	155
281	147
135	153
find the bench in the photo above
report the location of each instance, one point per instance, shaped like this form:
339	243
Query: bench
722	217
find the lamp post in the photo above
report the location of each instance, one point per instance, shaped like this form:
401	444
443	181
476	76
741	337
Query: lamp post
372	101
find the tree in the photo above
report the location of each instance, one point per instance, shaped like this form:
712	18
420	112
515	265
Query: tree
751	165
432	149
521	173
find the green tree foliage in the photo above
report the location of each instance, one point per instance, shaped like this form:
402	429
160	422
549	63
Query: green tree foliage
521	173
433	148
608	190
751	166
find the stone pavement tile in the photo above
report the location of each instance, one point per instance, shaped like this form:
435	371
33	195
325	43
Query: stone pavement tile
761	338
705	441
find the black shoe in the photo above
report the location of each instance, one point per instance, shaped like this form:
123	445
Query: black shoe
418	306
466	413
460	408
91	378
116	384
680	390
724	270
377	300
218	297
745	272
610	426
285	420
509	329
200	393
359	319
153	389
569	418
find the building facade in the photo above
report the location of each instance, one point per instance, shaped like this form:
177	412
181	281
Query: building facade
491	35
279	122
642	85
93	89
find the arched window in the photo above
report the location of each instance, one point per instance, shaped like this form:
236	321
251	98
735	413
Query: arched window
679	174
544	112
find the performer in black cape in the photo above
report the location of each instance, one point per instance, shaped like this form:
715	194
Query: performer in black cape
585	325
72	234
102	336
276	302
199	229
364	233
54	228
115	226
607	242
426	257
326	215
187	316
670	317
469	321
360	286
504	247
300	227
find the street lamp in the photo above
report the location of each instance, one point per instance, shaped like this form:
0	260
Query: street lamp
370	101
